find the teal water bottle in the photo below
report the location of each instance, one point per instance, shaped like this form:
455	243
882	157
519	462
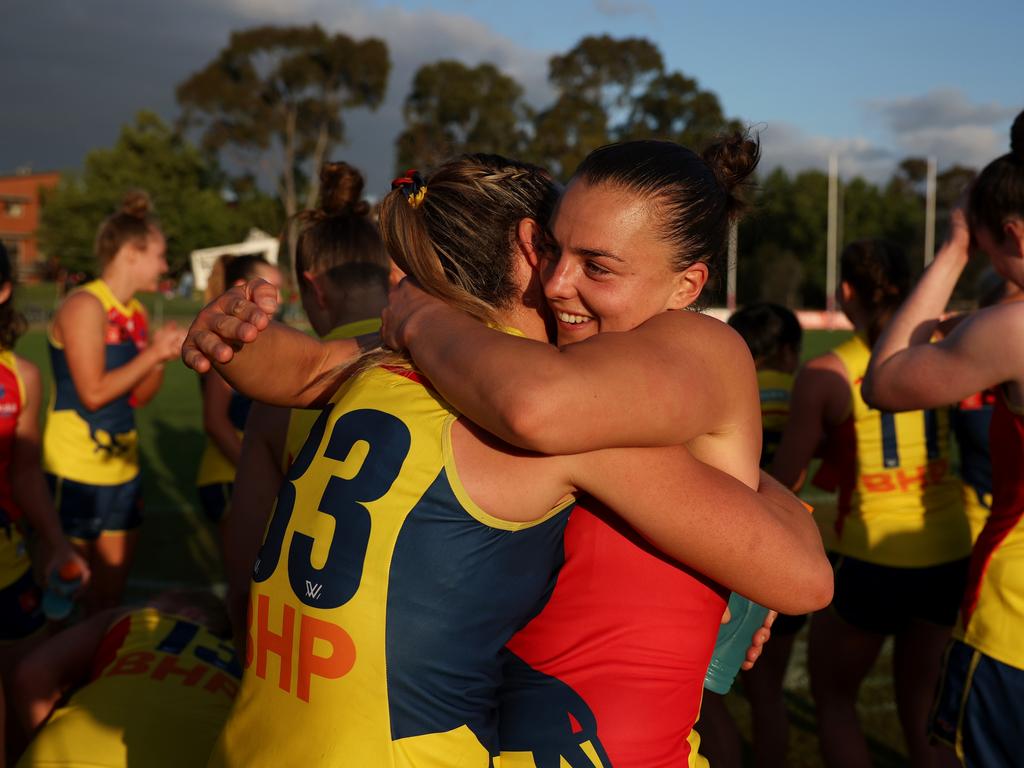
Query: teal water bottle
58	600
734	638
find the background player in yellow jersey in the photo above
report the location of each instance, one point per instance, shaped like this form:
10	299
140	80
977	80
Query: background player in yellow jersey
130	687
900	538
978	709
23	494
342	270
224	410
774	336
490	477
104	365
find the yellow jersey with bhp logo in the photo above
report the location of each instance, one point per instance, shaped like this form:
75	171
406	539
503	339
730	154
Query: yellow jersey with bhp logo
300	421
160	689
899	503
382	596
96	447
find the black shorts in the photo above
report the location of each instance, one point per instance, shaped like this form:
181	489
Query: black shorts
786	625
215	499
87	510
884	599
21	612
978	708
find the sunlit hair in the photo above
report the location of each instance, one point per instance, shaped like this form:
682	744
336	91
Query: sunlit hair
879	272
459	241
998	192
697	196
12	322
134	223
337	238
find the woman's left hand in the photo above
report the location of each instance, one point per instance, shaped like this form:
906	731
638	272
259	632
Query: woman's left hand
761	636
407	304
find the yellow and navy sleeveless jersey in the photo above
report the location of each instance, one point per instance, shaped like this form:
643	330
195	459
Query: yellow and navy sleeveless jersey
14	560
300	421
382	597
160	690
992	614
214	466
899	503
971	419
776	389
96	447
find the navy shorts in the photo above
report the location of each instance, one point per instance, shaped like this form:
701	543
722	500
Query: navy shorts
21	612
978	708
884	599
87	510
215	499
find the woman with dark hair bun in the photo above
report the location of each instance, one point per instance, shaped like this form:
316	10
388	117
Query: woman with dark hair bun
105	365
900	540
978	708
628	633
343	271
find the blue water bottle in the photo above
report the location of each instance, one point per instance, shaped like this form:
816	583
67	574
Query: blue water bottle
58	600
734	638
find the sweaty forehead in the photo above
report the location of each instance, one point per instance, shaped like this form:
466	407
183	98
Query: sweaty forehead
602	216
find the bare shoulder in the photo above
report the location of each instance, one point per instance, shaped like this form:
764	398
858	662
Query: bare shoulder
80	306
28	371
828	362
685	330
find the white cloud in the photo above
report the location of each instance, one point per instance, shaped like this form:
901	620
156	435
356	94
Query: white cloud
945	124
790	147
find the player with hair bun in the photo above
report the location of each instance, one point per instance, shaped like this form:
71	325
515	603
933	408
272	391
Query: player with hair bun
978	707
105	365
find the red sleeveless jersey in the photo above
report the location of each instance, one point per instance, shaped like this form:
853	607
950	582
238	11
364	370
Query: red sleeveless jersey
11	402
613	666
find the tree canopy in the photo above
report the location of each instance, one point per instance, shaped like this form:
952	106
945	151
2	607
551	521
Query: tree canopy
279	92
188	193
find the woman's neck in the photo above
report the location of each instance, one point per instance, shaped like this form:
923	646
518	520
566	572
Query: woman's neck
119	283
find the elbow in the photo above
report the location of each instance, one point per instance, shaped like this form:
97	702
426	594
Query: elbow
91	401
815	588
528	423
869	391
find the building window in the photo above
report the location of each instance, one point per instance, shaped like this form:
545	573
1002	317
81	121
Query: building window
14	210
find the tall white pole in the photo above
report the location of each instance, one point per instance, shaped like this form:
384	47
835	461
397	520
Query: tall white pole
730	280
833	236
929	213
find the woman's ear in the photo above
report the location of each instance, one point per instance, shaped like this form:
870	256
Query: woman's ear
6	289
688	285
1014	229
314	284
531	239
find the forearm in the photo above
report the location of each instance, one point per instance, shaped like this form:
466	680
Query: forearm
915	321
305	370
227	440
116	382
32	497
150	385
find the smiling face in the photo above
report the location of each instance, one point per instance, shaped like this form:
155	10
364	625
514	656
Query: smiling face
149	260
610	269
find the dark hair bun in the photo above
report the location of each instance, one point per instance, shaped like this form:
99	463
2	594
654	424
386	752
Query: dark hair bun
136	204
1017	139
733	159
341	190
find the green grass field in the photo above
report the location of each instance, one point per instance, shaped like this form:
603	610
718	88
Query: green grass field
178	546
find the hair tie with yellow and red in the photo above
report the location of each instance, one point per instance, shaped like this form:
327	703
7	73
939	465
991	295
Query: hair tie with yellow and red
412	187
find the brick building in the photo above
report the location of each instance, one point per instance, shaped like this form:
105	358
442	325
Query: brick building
19	218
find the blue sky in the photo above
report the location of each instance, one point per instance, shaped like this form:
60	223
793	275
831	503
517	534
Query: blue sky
872	81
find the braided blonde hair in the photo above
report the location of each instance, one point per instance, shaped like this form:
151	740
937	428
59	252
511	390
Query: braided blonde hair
458	242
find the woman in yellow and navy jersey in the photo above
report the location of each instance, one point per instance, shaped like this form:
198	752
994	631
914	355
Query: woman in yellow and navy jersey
224	410
406	547
978	707
146	686
342	271
105	364
899	539
23	493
